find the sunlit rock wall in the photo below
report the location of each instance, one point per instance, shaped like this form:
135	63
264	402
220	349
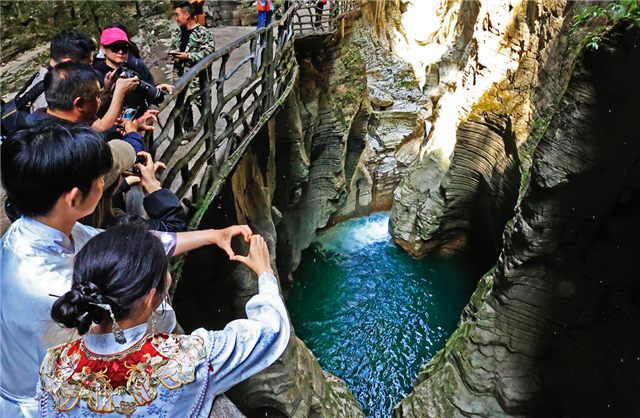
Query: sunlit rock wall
399	109
481	64
551	330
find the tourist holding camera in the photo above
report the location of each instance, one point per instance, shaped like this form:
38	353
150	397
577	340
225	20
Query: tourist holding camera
115	47
163	208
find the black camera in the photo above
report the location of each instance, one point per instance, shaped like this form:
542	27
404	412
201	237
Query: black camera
140	159
145	90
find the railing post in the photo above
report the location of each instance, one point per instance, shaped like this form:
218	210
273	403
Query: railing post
210	125
269	67
333	14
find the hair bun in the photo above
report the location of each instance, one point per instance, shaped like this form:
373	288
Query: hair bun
77	308
88	290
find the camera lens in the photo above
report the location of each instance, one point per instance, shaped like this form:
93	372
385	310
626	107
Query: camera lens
150	93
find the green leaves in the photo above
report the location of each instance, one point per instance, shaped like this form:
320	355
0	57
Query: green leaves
607	16
594	42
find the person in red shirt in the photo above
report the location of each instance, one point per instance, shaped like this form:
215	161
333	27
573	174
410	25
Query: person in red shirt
265	11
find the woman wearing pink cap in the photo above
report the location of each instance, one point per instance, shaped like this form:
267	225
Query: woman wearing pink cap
115	49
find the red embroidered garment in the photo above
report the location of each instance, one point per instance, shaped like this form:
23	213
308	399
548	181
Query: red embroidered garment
117	370
122	381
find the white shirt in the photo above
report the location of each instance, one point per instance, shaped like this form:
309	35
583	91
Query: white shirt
207	362
36	261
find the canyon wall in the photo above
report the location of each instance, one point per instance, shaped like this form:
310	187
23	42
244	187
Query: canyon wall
348	133
434	110
550	329
485	75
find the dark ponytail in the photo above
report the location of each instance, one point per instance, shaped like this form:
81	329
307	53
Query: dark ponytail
117	267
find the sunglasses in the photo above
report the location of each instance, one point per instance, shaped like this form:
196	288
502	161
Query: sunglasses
119	47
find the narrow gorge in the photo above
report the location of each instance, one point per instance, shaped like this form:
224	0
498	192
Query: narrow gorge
498	141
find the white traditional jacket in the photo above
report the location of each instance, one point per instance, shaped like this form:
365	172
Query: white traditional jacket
37	261
163	375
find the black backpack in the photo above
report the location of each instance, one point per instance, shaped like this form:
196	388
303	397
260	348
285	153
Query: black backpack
15	112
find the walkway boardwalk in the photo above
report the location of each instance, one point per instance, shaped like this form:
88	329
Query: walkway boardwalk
244	83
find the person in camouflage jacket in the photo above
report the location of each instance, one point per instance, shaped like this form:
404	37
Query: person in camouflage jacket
186	53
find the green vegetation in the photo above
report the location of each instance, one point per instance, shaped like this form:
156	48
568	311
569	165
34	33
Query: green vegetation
604	17
498	100
349	84
352	60
409	84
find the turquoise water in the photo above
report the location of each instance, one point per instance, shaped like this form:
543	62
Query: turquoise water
371	314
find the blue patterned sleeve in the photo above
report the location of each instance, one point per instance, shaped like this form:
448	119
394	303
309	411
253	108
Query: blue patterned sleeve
248	346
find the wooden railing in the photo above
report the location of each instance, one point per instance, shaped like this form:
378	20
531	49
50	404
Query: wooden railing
235	103
321	18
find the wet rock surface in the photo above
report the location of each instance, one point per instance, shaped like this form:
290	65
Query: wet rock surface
351	131
474	199
399	109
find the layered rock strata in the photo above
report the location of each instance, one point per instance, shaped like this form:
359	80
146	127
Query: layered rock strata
349	133
550	330
486	84
466	207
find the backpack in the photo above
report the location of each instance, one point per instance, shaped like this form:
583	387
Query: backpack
15	111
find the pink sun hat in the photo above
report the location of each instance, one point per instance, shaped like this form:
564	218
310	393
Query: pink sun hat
112	35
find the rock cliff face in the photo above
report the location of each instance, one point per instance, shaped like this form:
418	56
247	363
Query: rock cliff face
486	85
351	130
550	330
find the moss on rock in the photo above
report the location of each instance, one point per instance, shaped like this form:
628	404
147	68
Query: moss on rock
26	24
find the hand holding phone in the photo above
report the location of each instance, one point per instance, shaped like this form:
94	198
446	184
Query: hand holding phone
127	114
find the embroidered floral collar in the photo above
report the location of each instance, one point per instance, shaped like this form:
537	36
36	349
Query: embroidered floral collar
123	381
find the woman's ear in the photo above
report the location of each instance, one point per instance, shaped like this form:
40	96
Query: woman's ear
149	301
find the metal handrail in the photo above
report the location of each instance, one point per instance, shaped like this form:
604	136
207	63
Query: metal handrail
240	112
309	20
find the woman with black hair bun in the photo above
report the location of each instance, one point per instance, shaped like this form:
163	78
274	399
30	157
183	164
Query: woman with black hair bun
120	366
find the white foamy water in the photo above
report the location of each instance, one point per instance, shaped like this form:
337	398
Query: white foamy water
355	235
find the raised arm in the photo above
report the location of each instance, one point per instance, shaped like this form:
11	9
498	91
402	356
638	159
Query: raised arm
187	241
248	346
123	86
176	243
